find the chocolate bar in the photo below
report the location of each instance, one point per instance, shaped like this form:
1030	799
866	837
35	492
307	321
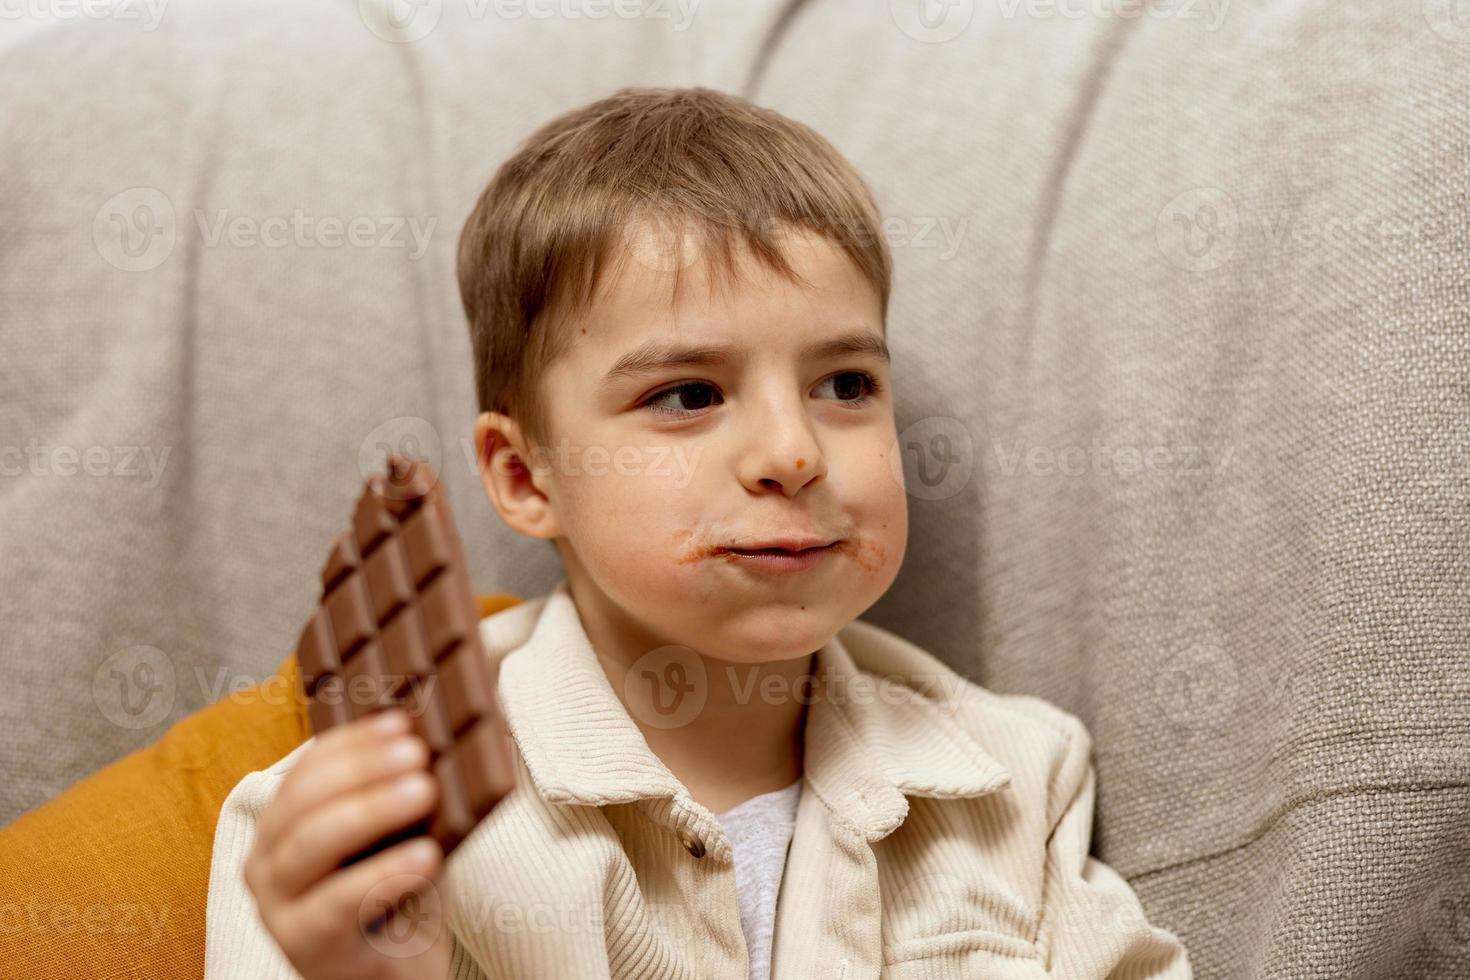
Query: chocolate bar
398	625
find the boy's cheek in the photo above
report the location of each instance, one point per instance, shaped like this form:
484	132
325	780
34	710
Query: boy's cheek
652	577
631	538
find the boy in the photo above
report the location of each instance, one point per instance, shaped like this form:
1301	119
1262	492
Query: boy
677	302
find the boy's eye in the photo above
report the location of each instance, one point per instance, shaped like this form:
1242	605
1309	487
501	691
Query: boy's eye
699	398
851	387
865	387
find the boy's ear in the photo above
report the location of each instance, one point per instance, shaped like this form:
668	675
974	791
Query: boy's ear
514	486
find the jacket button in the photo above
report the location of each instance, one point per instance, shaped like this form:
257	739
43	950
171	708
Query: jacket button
691	843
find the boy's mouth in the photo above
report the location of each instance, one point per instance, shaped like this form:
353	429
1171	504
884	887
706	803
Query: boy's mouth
767	559
782	546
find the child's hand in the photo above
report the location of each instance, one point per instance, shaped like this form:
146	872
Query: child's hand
346	792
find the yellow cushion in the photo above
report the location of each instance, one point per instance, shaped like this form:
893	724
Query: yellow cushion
109	878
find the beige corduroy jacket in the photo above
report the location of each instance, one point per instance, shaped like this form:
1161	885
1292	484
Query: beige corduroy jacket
943	832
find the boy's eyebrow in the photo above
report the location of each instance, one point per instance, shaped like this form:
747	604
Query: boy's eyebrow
657	355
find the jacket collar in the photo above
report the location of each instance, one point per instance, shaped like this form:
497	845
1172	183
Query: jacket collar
880	725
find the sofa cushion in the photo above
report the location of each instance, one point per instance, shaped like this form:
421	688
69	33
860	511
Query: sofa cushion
109	879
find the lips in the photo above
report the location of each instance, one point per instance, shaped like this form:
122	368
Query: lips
777	546
778	561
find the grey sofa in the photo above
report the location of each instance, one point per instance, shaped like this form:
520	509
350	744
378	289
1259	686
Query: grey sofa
1181	329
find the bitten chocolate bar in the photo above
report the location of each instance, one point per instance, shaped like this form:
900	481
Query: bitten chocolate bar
397	625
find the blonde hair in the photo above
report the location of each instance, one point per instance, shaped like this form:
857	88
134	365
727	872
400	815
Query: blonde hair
544	231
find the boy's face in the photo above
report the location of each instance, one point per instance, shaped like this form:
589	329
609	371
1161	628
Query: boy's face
653	471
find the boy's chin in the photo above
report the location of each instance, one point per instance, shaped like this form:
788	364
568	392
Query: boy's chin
782	645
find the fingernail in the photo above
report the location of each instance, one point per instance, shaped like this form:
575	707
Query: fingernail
414	786
404	751
422	851
390	721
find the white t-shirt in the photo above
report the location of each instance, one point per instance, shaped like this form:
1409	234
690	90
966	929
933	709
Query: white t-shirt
760	832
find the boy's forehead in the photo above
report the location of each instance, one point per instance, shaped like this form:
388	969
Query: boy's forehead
636	315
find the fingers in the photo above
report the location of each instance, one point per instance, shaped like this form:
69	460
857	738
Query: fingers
337	912
341	759
333	830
